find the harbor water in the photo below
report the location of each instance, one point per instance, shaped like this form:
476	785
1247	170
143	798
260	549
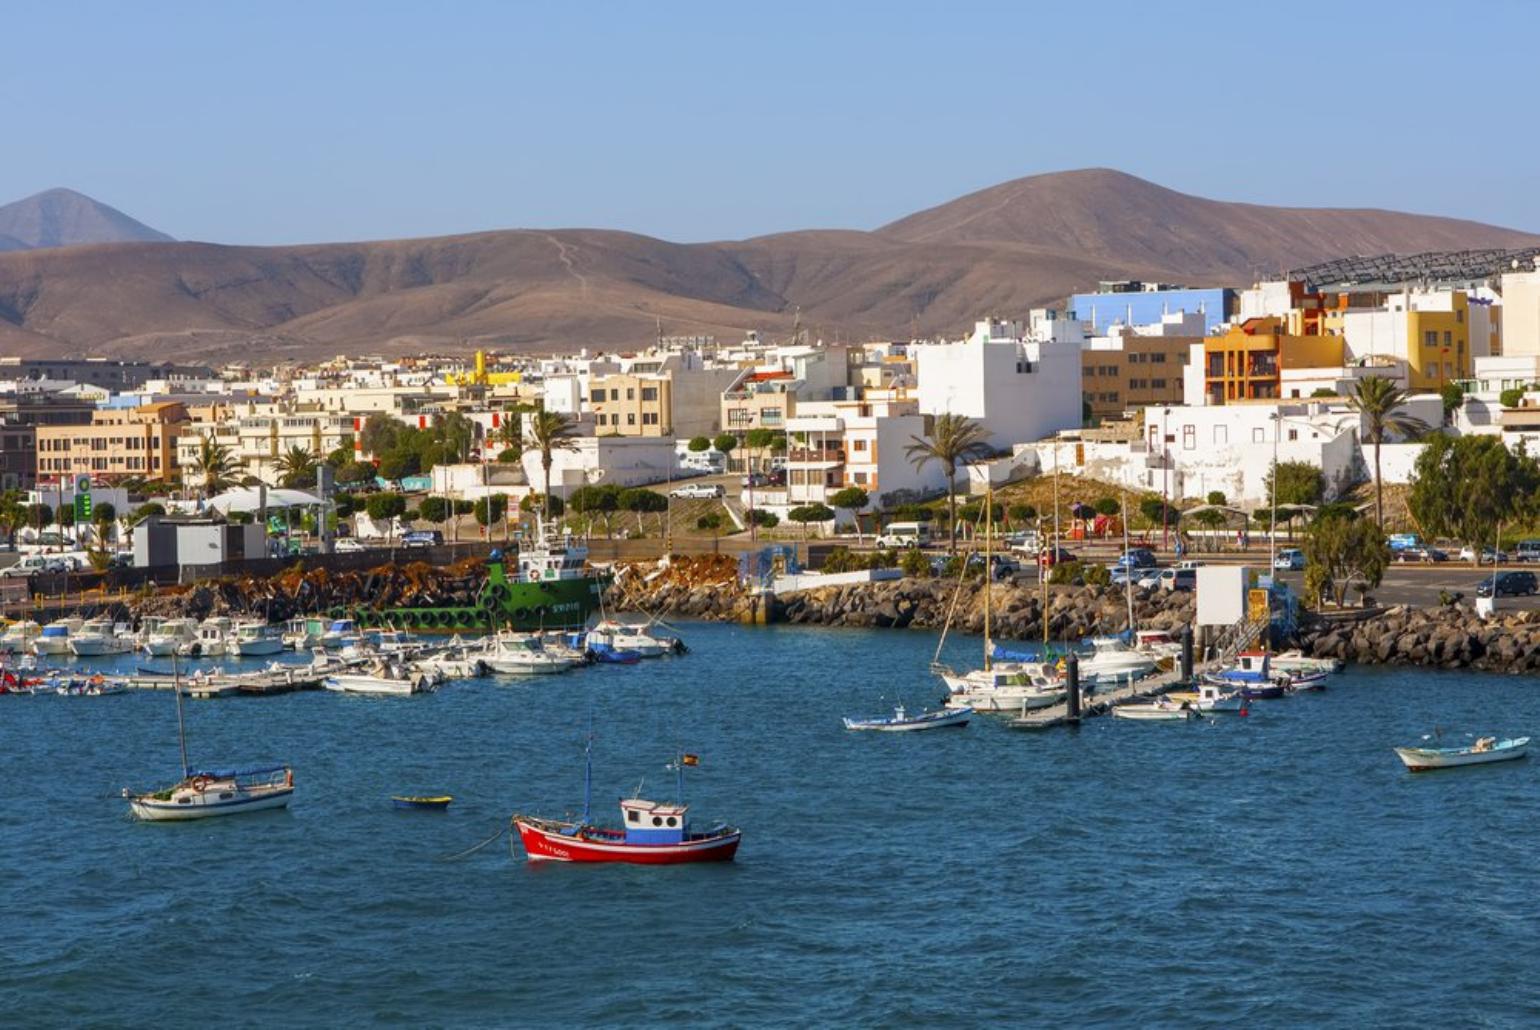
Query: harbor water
1280	869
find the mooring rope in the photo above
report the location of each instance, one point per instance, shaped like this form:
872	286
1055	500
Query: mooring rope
478	847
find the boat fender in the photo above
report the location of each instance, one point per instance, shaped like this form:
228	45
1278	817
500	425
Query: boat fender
288	777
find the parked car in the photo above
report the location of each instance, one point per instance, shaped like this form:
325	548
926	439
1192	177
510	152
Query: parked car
904	534
755	479
1424	555
1147	579
1178	579
697	490
347	545
33	565
1528	550
1508	584
1487	556
1291	560
1049	556
422	538
1135	558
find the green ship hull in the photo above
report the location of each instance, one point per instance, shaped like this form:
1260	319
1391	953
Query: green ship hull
501	604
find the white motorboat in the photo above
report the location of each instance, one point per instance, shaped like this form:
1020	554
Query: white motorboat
1482	752
1161	710
395	642
1210	697
18	637
1005	687
902	722
171	636
380	677
1157	643
340	633
1113	661
511	654
1295	662
302	634
254	638
99	637
54	639
620	636
454	662
215	635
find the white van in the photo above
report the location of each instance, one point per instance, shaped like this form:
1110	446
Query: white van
904	534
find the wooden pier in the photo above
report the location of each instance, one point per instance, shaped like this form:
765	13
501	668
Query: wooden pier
1100	702
219	684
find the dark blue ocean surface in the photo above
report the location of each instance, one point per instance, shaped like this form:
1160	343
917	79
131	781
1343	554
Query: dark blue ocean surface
1276	870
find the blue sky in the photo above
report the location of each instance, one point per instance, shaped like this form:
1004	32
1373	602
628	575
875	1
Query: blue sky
296	122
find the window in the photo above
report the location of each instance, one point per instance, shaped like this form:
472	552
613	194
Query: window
630	393
1259	435
1221	434
1158	358
598	396
632	816
1430	338
649	418
1459	316
1294	434
630	418
649	393
860	478
1447	337
1189	438
1157	384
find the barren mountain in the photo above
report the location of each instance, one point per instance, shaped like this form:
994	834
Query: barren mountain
1001	251
64	218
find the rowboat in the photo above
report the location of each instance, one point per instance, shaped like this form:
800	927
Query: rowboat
436	803
1211	698
1305	683
902	721
1154	711
1484	751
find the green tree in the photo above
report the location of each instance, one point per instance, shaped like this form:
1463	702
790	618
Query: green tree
103	516
398	463
601	501
912	513
1108	506
1378	402
380	433
642	502
852	499
1453	396
434	509
490	510
1511	398
549	432
1341	551
39	516
700	444
13	515
553	507
914	563
1299	482
385	506
215	465
1021	513
356	472
806	514
710	522
342	455
1154	508
296	467
757	441
726	443
1466	487
510	455
952	440
1216	497
764	519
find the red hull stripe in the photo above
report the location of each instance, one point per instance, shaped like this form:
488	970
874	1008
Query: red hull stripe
543	844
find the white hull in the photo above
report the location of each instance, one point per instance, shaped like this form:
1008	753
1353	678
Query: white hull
52	647
87	647
350	684
504	665
161	647
169	811
1153	713
1099	670
953	717
263	648
999	699
453	668
1419	759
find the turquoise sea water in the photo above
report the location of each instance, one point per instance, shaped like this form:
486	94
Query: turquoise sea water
1276	870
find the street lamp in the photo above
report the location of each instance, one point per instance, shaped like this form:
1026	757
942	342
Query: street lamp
1165	480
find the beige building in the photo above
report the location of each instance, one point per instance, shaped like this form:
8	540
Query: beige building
117	444
1520	334
258	435
625	404
1129	372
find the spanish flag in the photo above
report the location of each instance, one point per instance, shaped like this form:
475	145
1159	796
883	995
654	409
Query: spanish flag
690	759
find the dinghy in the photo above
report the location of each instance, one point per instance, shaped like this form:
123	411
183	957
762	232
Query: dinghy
901	721
1482	752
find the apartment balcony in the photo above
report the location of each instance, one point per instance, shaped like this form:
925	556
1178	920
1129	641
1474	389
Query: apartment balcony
814	458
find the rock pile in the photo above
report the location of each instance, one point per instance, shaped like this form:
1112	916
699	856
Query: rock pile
1449	637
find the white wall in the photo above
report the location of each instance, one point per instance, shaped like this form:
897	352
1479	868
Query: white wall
1017	391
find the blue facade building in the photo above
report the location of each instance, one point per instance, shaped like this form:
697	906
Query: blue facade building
1143	307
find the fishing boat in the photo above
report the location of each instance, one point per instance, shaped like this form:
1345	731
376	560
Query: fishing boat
99	637
902	721
1305	683
437	803
643	640
380	677
651	832
94	686
302	634
215	634
455	664
1160	710
1482	752
54	639
202	794
1253	675
606	654
18	637
171	636
517	654
254	638
340	633
1211	698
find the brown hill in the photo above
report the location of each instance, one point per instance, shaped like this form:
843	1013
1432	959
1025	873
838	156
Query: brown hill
64	218
1001	251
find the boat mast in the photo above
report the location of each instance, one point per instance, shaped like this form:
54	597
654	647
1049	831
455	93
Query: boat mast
1128	569
588	769
989	523
181	727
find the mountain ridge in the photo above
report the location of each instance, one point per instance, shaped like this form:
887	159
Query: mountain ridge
62	217
1021	244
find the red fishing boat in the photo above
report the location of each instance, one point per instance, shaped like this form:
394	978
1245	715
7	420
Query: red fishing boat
651	832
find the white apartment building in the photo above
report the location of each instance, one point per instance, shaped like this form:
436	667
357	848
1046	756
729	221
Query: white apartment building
259	434
860	443
1017	390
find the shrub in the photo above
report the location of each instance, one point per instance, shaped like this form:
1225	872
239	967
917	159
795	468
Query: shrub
1107	506
383	507
434	509
1021	512
914	563
1511	398
762	518
700	444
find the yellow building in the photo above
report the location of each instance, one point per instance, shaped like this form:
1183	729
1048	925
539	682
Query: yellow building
1437	342
632	405
1243	364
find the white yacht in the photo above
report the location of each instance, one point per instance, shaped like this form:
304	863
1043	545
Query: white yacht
1113	661
99	637
254	638
518	654
18	637
170	637
380	677
214	636
54	640
340	633
1005	687
621	636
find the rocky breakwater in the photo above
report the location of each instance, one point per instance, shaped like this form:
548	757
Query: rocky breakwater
1449	637
707	588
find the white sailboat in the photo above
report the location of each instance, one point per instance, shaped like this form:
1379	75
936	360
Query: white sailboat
205	794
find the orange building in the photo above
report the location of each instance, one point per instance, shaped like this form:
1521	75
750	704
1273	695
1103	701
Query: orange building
118	443
1243	364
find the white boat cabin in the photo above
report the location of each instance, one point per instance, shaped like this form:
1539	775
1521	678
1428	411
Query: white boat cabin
653	822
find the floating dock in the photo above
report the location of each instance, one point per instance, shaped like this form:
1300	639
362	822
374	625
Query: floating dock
1098	703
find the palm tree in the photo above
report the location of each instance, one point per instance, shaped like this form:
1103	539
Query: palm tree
1376	399
953	439
215	464
296	466
549	431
